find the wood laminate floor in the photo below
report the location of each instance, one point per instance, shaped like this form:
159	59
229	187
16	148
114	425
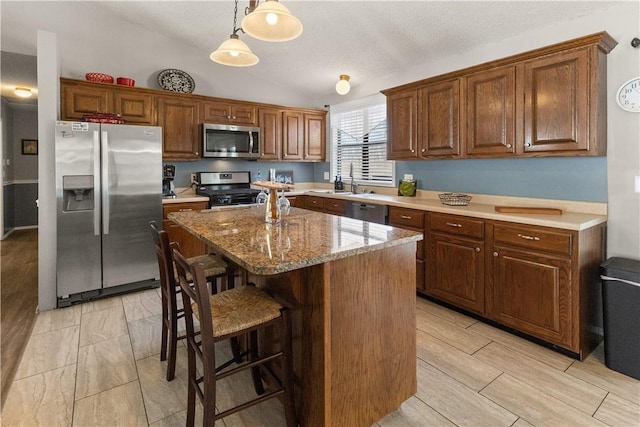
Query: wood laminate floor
18	299
98	364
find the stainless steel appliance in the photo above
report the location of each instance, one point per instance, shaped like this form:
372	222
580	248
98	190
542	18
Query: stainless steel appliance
168	175
226	188
368	212
108	189
230	141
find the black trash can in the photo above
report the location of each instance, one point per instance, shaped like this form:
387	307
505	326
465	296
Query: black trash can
621	315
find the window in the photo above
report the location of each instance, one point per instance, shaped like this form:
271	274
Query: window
359	142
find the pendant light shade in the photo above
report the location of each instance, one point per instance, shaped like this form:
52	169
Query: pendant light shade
235	53
343	87
271	21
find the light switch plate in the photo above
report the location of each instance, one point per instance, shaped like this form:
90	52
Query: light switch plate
326	176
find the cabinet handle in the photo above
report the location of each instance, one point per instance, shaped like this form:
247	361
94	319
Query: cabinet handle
197	153
508	145
234	117
185	210
413	151
495	254
285	154
528	144
525	237
477	249
405	217
454	224
424	150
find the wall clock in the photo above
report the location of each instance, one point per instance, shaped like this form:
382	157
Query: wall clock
628	96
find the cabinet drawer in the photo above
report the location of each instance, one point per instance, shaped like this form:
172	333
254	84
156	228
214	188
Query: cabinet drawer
407	218
314	203
181	207
335	206
458	225
534	238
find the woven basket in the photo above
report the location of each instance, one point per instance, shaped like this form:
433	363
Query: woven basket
454	199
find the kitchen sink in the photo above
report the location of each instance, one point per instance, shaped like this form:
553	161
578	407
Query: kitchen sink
345	193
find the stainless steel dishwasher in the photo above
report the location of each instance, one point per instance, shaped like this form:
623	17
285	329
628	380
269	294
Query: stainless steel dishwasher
368	212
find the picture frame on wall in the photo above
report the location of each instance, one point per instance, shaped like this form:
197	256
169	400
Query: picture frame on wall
30	147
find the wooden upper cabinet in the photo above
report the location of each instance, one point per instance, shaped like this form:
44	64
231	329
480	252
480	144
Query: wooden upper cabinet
402	127
80	100
491	112
550	101
135	108
315	136
439	119
292	135
235	113
270	120
556	102
180	124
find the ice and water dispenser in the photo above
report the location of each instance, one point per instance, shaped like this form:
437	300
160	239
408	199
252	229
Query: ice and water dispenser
78	193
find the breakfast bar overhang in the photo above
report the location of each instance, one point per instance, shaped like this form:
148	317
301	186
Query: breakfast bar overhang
351	286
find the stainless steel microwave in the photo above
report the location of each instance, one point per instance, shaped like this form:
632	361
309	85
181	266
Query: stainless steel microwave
230	141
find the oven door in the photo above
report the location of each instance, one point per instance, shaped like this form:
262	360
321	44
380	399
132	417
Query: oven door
230	141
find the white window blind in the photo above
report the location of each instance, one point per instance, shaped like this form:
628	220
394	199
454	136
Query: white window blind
359	138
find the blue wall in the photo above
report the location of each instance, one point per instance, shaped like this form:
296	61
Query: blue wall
564	178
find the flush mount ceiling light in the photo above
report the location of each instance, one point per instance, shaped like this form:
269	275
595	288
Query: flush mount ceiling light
343	87
270	21
234	52
22	92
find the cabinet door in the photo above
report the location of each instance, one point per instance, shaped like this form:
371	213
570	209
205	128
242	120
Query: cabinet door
78	101
314	137
439	119
335	206
402	127
190	246
270	133
180	129
556	96
314	203
229	113
292	135
455	272
530	291
490	107
135	108
413	220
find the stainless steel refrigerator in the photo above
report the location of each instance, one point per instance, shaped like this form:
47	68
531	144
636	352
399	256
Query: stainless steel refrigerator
108	188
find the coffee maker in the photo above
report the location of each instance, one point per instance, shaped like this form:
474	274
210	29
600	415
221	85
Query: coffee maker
168	174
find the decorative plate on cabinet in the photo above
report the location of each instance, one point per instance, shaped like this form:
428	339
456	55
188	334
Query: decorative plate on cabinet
176	81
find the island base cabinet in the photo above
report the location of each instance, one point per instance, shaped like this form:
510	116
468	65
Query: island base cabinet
190	245
354	337
532	293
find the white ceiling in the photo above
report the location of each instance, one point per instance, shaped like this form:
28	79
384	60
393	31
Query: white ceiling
365	39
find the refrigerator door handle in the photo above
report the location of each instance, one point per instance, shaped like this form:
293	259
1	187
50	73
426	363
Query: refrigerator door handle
96	183
105	182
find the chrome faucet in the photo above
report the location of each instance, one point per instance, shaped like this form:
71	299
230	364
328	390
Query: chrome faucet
354	186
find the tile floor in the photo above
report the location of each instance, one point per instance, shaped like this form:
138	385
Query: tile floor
98	364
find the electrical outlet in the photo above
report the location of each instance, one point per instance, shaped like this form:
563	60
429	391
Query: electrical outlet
326	176
193	178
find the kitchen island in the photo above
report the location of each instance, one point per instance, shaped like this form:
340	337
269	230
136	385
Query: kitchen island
352	292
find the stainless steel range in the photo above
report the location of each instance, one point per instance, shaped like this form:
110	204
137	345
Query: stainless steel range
226	188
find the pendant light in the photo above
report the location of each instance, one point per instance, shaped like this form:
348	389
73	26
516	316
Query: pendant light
234	52
343	87
272	22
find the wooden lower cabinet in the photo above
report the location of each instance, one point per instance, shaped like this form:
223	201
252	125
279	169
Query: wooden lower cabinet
335	206
314	203
413	219
189	244
455	271
545	282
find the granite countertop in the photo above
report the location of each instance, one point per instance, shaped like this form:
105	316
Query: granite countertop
303	239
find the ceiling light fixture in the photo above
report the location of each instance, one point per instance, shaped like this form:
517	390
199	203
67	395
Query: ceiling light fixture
343	86
22	92
234	52
270	21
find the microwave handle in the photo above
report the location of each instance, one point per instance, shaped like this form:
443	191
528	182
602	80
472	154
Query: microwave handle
250	142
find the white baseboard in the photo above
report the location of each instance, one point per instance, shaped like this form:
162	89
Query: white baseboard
11	230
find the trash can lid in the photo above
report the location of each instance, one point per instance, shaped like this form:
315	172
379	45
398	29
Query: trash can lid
621	268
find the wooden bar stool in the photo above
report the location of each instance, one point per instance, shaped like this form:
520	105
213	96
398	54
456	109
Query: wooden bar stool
226	315
215	268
